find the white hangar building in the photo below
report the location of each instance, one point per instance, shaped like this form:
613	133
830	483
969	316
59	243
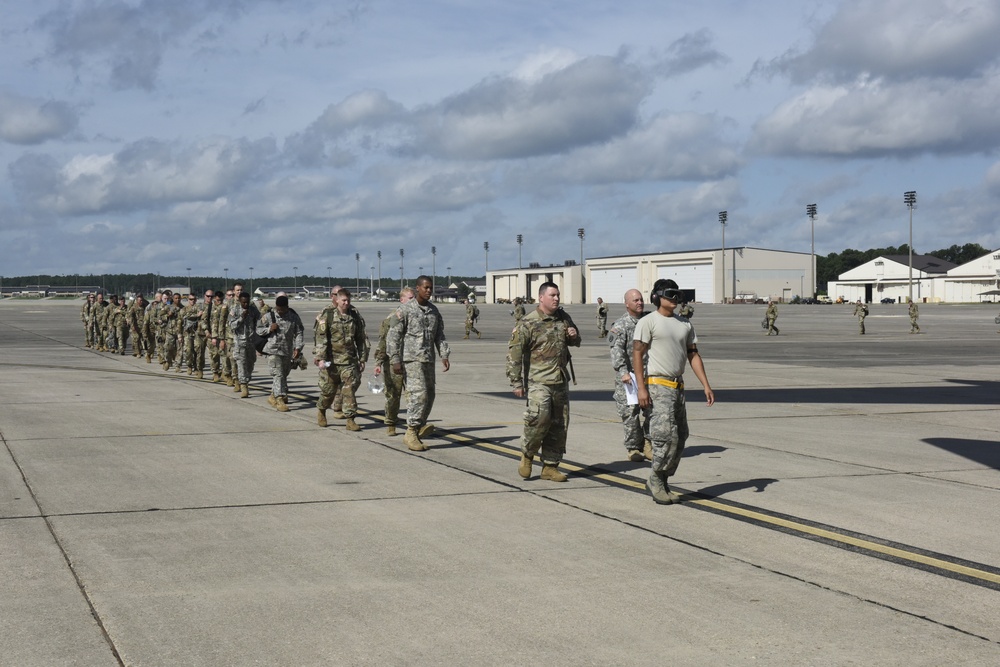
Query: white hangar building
708	276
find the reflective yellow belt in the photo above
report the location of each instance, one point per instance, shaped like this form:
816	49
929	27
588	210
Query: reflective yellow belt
679	384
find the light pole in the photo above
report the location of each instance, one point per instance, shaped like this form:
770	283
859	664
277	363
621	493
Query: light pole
328	281
910	199
371	283
449	277
251	282
295	280
400	268
486	247
226	271
811	212
357	276
582	233
380	272
520	242
189	279
723	218
434	256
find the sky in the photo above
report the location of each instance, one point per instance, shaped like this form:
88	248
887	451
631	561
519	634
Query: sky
292	135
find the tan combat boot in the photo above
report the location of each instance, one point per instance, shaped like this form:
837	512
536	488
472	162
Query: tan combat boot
647	451
244	391
230	381
282	405
412	441
236	386
149	358
426	431
352	425
552	474
338	414
390	429
524	468
321	417
272	400
216	377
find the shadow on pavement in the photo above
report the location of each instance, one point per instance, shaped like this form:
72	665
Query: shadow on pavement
984	452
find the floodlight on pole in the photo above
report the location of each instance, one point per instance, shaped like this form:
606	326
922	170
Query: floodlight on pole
329	281
486	247
379	271
723	219
251	281
226	271
295	279
357	277
434	255
189	279
520	242
582	233
811	212
910	199
400	268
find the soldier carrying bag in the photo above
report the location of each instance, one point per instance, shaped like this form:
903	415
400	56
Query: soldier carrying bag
260	341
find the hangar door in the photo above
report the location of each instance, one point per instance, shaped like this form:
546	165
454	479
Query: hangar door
696	277
611	284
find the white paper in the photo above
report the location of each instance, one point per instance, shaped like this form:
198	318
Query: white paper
631	392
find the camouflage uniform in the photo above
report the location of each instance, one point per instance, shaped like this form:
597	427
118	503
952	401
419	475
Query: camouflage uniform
170	328
518	310
216	333
148	329
229	370
602	320
134	317
242	324
280	346
393	381
471	315
100	314
190	318
118	327
914	314
340	341
686	310
87	317
153	319
222	335
412	341
540	342
338	396
861	312
771	316
620	342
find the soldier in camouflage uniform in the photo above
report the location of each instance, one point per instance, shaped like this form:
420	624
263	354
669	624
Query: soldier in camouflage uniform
100	314
861	312
393	381
518	309
413	339
135	314
338	396
119	325
670	343
771	316
87	317
170	327
471	315
283	330
340	352
203	333
537	360
243	319
190	317
914	314
229	371
602	318
634	419
217	333
149	326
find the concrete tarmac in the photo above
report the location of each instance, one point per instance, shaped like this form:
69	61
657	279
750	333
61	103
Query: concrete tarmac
839	504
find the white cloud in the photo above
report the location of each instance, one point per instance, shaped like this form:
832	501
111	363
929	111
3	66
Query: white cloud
25	120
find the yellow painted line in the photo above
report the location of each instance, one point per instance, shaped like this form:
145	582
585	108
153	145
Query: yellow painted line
833	536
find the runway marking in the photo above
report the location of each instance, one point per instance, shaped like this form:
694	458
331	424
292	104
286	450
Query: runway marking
936	563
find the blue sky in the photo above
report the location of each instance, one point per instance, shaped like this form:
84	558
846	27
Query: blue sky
157	135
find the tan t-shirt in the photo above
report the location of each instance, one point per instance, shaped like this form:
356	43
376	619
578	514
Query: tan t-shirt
669	339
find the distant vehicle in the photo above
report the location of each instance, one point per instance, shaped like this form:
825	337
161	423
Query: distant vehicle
888	299
823	298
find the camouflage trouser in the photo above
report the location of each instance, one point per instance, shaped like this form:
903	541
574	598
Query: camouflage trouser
635	420
418	378
244	357
668	427
861	324
280	368
393	392
200	342
602	327
149	337
189	345
339	377
338	396
88	334
470	327
546	421
214	356
121	337
229	360
771	327
913	324
169	348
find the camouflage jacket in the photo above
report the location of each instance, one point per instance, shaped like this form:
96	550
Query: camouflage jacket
85	312
602	311
287	338
381	352
470	313
539	349
340	339
135	315
190	317
219	322
169	319
772	312
416	334
518	311
241	324
99	312
117	316
620	341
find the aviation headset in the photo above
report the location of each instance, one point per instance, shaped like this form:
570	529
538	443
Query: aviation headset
666	288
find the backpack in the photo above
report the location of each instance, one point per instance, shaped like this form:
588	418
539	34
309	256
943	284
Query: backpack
475	312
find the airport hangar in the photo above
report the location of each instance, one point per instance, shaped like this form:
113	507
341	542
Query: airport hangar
708	276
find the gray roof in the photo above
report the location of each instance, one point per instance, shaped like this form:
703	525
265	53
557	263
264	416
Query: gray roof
925	263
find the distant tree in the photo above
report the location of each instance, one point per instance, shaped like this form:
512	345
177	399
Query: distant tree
960	255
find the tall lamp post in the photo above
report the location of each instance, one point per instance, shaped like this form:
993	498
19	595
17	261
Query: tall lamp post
582	233
295	280
520	242
811	212
400	268
380	272
226	271
434	256
910	199
189	279
723	218
251	282
486	248
329	282
449	276
357	276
